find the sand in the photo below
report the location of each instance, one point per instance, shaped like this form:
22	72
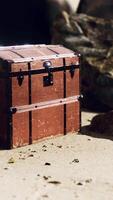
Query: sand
62	168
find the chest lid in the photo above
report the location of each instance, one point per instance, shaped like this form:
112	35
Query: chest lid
29	53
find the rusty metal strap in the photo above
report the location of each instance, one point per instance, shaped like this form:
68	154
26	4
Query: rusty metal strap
38	71
45	104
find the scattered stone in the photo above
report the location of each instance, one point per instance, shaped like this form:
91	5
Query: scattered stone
89	139
75	160
52	143
33	151
11	160
47	163
59	146
38	174
89	120
45	177
6	168
44	146
30	155
55	182
44	150
22	158
45	196
88	180
79	183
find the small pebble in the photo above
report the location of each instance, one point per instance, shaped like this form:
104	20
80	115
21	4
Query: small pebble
88	180
45	177
44	146
44	150
45	196
79	183
60	146
6	168
33	151
22	158
47	163
75	160
38	174
55	182
30	155
11	160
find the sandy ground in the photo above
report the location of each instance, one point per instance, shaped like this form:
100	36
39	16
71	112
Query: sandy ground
63	168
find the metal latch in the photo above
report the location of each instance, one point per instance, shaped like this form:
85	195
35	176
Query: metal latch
20	78
48	80
72	70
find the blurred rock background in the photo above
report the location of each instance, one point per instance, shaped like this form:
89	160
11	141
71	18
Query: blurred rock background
90	31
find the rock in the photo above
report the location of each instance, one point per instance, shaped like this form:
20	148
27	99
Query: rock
58	7
6	168
98	8
38	174
54	182
44	150
30	155
93	38
33	151
47	163
11	160
75	160
88	180
59	146
45	196
45	177
79	183
103	123
44	146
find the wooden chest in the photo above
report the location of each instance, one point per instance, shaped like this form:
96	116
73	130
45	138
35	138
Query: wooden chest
39	93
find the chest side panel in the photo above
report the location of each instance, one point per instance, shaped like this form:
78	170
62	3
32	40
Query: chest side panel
72	88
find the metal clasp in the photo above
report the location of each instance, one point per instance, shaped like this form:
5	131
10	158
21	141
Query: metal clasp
72	70
20	78
48	80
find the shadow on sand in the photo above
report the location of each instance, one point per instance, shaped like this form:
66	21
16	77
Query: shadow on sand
101	126
86	130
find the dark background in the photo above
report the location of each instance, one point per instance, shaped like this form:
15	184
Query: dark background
23	22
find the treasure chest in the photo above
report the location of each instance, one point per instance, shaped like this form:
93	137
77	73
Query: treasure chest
39	93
